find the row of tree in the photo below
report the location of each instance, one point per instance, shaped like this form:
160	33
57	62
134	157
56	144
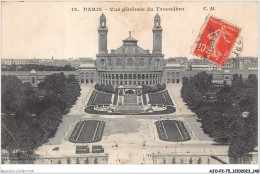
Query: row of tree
106	88
151	89
31	116
37	67
232	118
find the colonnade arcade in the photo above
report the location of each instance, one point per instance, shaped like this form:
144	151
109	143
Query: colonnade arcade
130	78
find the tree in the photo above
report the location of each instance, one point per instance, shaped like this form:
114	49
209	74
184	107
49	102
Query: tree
20	101
222	119
54	82
251	81
202	81
108	88
29	67
237	80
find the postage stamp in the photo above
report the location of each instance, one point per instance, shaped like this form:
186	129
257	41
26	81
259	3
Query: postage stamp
216	40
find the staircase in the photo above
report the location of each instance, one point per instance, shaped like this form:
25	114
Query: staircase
130	100
129	109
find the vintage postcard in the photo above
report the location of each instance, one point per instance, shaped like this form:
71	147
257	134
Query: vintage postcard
129	83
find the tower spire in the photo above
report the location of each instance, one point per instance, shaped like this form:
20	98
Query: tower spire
157	35
102	35
157	21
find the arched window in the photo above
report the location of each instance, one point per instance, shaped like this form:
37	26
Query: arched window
109	62
102	61
173	74
92	74
157	62
87	74
141	62
177	74
130	62
168	74
118	61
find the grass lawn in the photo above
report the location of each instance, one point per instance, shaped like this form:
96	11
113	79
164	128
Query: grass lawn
160	98
99	98
172	130
89	131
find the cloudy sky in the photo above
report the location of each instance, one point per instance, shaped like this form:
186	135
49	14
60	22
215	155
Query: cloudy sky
52	29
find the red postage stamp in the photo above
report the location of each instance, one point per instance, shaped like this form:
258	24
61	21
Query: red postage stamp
216	40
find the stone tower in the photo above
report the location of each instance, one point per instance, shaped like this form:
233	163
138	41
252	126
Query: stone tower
102	35
157	35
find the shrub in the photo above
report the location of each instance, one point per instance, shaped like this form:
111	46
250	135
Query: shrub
152	89
105	88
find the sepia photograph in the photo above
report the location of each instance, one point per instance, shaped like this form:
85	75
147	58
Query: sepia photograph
168	85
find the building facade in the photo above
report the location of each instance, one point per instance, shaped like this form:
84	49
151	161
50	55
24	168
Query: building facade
131	65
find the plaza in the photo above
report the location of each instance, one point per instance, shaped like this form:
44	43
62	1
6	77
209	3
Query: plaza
133	139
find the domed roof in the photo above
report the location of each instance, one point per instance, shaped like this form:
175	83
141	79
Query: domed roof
130	47
33	71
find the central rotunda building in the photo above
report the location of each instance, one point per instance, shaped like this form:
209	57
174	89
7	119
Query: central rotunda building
130	64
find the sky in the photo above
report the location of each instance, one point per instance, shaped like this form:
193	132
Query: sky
52	29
